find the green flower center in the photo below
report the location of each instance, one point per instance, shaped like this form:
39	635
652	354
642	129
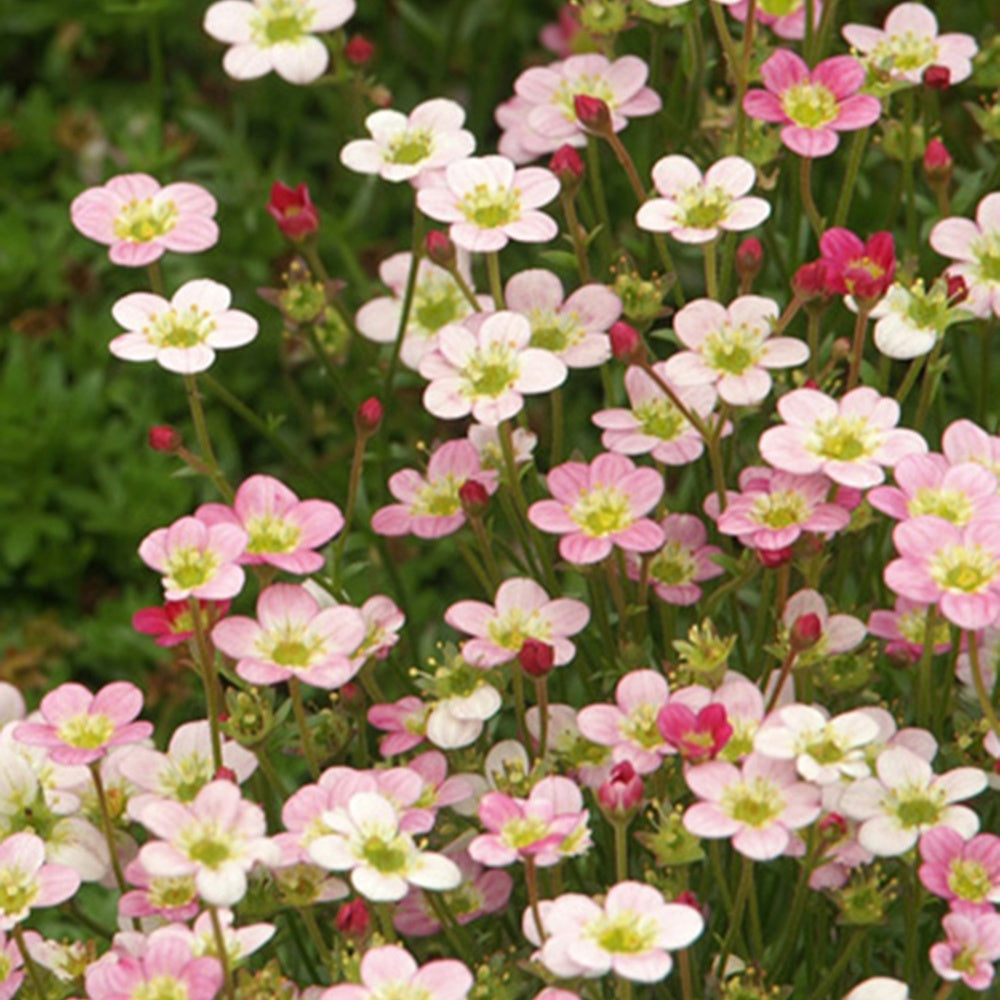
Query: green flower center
825	748
208	846
965	569
438	499
523	831
180	329
585	86
437	302
703	207
986	251
809	104
388	856
5	966
673	565
463	901
160	988
917	806
280	21
190	567
757	803
553	332
843	439
779	8
490	371
292	653
906	52
625	933
270	534
780	509
401	991
660	419
142	220
411	147
187	776
488	206
640	727
733	349
88	732
170	893
926	310
969	880
913	627
18	891
510	631
952	505
603	511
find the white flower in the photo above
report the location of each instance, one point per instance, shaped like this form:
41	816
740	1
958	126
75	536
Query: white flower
909	320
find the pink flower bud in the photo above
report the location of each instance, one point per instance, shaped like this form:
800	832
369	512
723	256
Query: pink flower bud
369	416
805	632
937	77
225	774
811	282
567	166
353	919
937	160
536	657
440	249
293	210
592	113
474	497
622	792
832	827
358	50
749	259
773	558
165	438
626	343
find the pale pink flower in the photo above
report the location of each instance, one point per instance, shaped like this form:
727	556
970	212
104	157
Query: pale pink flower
522	611
786	18
971	950
956	868
547	826
653	424
139	220
282	530
964	441
695	208
293	637
812	106
390	971
27	882
196	559
405	721
630	934
682	562
181	335
238	942
402	147
383	622
975	248
776	507
487	442
838	633
275	35
988	647
908	43
575	328
488	203
79	727
487	372
849	440
216	838
11	967
172	898
599	506
758	805
906	629
629	726
731	348
437	301
429	505
907	799
928	484
956	568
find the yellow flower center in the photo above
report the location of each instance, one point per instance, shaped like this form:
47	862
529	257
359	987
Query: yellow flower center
602	511
966	569
809	104
142	220
488	206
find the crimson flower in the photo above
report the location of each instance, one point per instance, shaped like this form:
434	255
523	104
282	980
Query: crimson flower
293	210
864	270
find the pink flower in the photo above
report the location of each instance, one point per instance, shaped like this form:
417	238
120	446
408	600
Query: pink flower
956	568
695	208
695	737
390	971
758	805
487	372
600	506
80	727
489	203
909	43
971	949
292	209
522	611
173	622
430	506
26	882
812	106
964	441
181	335
653	424
786	18
292	637
139	220
405	721
955	868
863	270
836	633
975	247
574	328
11	967
906	629
173	899
682	562
281	530
850	440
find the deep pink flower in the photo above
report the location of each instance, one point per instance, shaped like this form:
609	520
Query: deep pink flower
862	270
293	210
173	623
812	106
695	737
623	791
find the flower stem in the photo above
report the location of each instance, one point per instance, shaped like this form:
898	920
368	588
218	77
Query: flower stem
711	270
786	667
858	143
416	247
812	340
302	720
496	283
910	379
928	385
576	234
354	481
517	686
684	967
204	442
223	952
621	849
924	678
736	918
985	702
823	991
805	189
597	192
106	825
210	680
542	694
531	883
909	192
29	963
857	347
558	417
729	47
316	936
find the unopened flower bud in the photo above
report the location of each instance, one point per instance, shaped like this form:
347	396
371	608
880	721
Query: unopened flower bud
811	282
958	290
840	349
805	632
626	343
537	658
938	164
380	96
749	259
352	697
369	416
225	774
475	498
592	113
773	558
937	77
832	827
165	438
623	791
358	50
568	167
293	210
810	383
353	919
440	250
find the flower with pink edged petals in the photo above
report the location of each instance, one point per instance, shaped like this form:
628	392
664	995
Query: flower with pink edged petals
390	971
956	568
405	721
629	726
196	559
169	898
682	562
908	44
282	530
758	805
955	868
27	882
812	106
599	506
430	506
971	949
905	628
975	248
488	203
80	727
630	934
695	207
786	18
574	328
522	611
181	335
964	441
487	372
907	800
849	440
293	637
139	220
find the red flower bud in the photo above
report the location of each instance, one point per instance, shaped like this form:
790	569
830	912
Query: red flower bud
440	249
938	163
165	438
293	210
536	657
832	827
353	919
567	166
749	259
352	697
773	558
805	632
592	113
958	290
937	77
688	898
369	416
811	282
623	791
810	383
475	498
225	774
626	343
358	50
